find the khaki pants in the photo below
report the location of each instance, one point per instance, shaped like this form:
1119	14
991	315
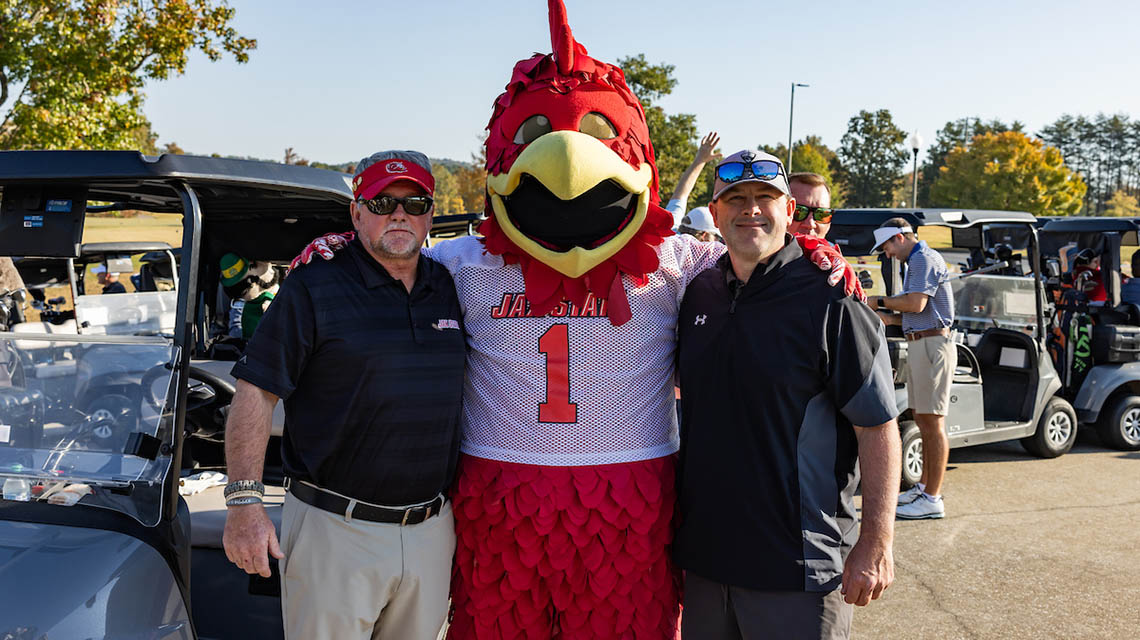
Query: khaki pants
932	361
363	580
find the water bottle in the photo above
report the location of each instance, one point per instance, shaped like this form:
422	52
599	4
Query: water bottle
17	489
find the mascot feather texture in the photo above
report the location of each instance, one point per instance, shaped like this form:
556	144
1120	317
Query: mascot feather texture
564	498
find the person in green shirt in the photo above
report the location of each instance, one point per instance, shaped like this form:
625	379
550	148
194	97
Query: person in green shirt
254	283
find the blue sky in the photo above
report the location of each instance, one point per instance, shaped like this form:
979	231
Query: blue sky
337	80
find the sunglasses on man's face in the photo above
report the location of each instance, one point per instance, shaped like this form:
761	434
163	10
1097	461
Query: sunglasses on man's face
385	205
730	172
821	215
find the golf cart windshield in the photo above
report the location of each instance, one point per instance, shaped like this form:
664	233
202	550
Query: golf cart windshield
86	420
985	301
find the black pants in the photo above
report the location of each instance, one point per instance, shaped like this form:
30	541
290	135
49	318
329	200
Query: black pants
717	611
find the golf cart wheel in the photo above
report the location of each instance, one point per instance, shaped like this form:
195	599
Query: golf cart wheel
1056	430
1119	425
911	455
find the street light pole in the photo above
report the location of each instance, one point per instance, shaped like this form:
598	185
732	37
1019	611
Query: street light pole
791	114
915	145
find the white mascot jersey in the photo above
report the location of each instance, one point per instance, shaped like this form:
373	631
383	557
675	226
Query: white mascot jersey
569	389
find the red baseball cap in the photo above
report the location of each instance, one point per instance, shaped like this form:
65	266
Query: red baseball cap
379	170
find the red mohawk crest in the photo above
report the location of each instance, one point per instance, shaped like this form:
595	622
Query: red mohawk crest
561	40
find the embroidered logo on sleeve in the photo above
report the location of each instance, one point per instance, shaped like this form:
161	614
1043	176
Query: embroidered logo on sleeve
445	324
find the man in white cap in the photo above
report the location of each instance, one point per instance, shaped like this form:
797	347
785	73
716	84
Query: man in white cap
926	307
699	224
108	279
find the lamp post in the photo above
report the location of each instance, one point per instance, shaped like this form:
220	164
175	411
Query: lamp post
915	145
791	113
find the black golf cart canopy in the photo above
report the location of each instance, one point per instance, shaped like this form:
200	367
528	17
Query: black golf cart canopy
264	210
224	186
1126	227
853	229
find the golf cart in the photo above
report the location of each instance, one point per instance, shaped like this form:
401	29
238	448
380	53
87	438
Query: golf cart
1004	385
96	539
1094	336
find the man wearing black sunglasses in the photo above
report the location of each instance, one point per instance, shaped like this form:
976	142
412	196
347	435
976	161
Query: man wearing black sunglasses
813	204
367	350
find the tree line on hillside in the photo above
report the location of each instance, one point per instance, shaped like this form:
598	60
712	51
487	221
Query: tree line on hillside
72	73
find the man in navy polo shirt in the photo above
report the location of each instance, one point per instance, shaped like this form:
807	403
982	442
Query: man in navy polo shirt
367	351
788	399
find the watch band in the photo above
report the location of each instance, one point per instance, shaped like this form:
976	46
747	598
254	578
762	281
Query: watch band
243	486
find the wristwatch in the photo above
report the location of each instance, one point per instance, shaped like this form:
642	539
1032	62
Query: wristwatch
881	303
244	486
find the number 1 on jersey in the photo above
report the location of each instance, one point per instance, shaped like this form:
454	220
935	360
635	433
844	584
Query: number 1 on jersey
555	343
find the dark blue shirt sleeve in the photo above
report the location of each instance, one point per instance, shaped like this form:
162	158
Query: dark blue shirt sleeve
280	348
859	376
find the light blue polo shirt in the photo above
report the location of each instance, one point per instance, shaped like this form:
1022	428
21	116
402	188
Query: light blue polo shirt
926	273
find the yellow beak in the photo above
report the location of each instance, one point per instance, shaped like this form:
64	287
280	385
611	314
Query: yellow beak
568	164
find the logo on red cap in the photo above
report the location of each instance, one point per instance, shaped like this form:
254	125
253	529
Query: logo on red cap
395	167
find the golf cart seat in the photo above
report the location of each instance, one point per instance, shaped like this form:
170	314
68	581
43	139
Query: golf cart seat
1008	363
967	371
208	514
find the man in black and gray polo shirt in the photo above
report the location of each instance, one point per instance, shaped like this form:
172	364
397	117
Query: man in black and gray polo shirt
788	399
367	351
927	311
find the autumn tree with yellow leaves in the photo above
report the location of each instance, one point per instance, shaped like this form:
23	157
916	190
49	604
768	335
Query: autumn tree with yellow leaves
1009	171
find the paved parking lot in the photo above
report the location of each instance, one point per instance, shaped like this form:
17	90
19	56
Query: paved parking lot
1029	548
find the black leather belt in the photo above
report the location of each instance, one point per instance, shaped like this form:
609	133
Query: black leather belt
357	510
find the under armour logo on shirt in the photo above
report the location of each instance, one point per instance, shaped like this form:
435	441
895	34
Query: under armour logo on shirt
700	319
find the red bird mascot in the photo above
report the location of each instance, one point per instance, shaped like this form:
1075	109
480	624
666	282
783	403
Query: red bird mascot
564	500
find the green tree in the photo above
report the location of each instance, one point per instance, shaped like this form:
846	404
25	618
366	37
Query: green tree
872	156
1010	171
72	71
954	134
1122	205
674	136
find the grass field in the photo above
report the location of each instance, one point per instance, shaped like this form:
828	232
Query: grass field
161	228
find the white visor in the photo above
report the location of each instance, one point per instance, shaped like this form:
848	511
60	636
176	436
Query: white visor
882	234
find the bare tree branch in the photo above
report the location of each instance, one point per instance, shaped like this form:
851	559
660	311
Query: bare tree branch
3	87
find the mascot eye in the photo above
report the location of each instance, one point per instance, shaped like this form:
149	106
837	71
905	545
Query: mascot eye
595	124
532	128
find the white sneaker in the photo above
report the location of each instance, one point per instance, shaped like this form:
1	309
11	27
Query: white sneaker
910	495
921	508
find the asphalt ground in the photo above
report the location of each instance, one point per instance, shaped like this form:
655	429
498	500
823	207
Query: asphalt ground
1029	548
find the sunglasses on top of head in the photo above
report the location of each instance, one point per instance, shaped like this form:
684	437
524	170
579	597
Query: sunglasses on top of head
821	214
385	205
730	172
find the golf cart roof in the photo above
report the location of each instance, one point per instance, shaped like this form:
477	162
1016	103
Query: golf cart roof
940	217
1085	225
224	186
853	229
121	248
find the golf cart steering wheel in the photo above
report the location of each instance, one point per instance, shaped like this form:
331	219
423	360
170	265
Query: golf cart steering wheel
217	391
